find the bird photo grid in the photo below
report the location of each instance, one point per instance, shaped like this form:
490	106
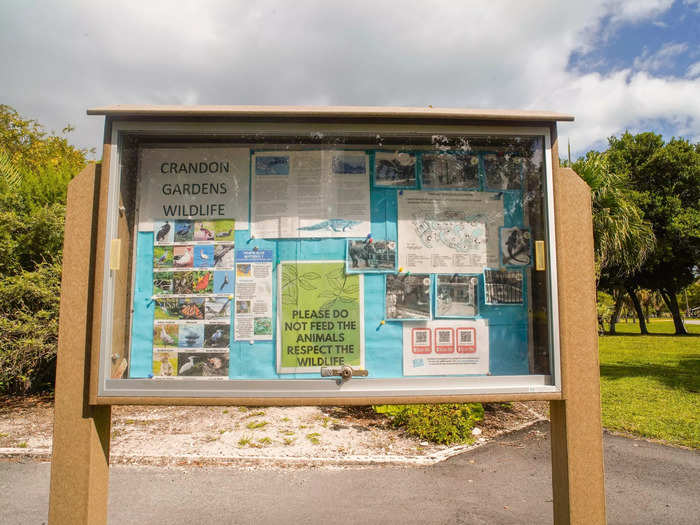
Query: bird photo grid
193	285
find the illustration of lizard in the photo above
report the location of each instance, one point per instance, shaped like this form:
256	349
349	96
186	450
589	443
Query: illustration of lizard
333	225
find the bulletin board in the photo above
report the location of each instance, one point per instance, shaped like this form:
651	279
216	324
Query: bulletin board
254	262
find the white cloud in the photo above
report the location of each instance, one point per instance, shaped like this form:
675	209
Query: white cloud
663	58
693	70
513	55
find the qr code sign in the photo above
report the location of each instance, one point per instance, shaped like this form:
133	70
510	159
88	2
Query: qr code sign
466	340
444	338
422	343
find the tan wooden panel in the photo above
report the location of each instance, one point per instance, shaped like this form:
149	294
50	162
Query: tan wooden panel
359	112
80	462
325	401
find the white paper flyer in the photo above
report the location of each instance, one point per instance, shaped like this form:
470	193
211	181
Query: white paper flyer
302	194
253	303
446	348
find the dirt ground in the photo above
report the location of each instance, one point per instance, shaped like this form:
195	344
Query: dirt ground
250	436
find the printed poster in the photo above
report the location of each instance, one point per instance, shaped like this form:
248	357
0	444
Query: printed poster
446	348
320	317
302	194
193	286
449	231
253	319
200	183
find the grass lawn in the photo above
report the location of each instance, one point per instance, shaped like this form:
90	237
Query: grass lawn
650	385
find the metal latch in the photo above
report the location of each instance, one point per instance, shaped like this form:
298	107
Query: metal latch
345	372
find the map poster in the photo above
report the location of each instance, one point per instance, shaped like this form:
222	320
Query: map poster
448	231
446	348
320	317
253	303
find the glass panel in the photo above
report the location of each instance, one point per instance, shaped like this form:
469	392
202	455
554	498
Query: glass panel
271	257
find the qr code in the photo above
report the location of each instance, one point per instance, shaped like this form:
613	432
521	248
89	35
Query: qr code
421	338
444	336
466	337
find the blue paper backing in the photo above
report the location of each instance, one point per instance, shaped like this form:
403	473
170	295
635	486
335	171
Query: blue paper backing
508	325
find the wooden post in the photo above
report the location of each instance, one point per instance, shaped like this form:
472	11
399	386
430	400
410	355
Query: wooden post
80	463
578	483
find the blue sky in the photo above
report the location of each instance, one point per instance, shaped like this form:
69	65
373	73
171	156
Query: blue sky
614	64
675	30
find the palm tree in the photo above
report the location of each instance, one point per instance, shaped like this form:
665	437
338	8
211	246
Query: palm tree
623	239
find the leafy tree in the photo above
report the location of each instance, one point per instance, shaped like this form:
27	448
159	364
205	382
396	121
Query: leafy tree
666	182
35	169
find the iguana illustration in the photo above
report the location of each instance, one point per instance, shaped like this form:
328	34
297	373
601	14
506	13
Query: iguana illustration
333	225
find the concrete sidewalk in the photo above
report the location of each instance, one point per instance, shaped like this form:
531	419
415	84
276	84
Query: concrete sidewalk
506	481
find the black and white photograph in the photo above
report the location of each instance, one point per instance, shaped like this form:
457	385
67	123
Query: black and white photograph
350	164
503	286
408	296
450	171
503	172
516	246
370	256
456	296
396	170
204	364
272	165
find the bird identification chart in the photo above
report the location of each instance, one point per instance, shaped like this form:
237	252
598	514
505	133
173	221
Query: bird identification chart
277	261
253	295
193	285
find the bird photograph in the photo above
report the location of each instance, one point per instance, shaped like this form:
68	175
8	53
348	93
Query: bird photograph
165	335
221	255
217	308
163	232
216	335
225	282
183	231
204	256
166	309
188	367
183	256
224	229
162	256
203	231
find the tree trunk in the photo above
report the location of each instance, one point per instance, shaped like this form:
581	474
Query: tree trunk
638	308
616	311
672	303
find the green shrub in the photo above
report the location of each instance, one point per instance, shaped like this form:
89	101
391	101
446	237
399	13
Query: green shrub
29	329
445	424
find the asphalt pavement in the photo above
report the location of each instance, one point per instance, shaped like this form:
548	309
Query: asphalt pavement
506	481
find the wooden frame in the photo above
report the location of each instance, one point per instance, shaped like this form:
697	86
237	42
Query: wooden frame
82	418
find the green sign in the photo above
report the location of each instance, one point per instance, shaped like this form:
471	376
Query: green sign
320	317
